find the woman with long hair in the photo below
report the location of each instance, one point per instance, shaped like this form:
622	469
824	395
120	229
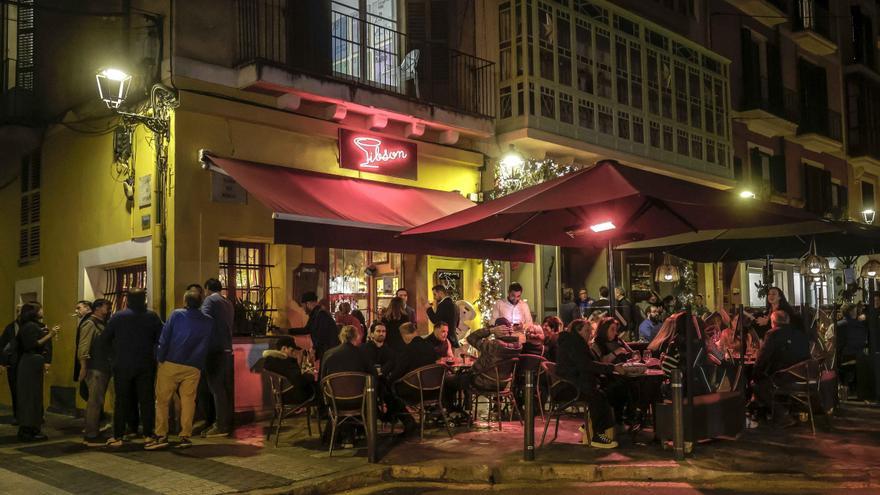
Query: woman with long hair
607	344
34	348
776	301
395	316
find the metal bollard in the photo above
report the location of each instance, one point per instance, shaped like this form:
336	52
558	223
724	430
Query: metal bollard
370	419
677	416
529	420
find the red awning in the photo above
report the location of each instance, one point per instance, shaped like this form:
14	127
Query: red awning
314	209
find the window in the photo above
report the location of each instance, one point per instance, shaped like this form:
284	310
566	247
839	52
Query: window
586	114
31	205
768	171
566	109
606	120
244	271
18	42
350	283
817	189
366	29
868	201
121	280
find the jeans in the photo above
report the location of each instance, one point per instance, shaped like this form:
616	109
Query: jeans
218	369
97	382
170	378
135	392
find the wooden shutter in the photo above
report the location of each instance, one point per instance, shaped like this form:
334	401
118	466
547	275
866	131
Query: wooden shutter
774	78
777	174
757	170
750	70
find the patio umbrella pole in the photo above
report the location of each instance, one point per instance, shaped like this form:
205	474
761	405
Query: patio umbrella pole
874	337
611	296
742	336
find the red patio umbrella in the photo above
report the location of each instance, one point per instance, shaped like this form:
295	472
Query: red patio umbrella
639	204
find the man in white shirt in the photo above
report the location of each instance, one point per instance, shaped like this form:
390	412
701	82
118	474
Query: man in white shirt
513	309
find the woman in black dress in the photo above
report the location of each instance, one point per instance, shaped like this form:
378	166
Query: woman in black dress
34	348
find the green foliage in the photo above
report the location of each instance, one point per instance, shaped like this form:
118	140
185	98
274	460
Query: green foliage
508	181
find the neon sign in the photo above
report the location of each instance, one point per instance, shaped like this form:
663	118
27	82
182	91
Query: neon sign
377	154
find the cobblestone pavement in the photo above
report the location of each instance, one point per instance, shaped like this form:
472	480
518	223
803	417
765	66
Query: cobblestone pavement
849	453
212	466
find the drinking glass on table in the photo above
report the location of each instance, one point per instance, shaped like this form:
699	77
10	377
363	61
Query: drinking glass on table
636	357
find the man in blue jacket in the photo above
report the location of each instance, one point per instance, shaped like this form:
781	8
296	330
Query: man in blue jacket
183	348
219	365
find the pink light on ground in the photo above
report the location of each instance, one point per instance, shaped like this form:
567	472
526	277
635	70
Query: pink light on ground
603	227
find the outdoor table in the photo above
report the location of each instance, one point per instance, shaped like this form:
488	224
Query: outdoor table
642	383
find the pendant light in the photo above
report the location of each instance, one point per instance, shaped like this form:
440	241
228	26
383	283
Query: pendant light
667	272
813	265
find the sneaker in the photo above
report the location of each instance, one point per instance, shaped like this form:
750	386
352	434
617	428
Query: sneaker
601	441
214	432
156	444
114	442
94	442
184	443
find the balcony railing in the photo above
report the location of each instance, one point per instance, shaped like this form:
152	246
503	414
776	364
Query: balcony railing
863	141
367	52
772	97
820	121
810	15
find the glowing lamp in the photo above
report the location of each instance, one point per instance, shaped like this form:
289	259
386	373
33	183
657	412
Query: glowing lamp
870	269
113	86
667	272
813	264
602	227
747	194
868	215
512	161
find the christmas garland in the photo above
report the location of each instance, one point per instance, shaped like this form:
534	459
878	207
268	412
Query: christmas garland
509	180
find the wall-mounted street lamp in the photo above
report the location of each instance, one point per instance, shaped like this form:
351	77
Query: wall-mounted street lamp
747	194
868	215
870	270
113	88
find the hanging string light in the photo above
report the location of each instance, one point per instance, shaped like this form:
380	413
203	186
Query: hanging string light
667	272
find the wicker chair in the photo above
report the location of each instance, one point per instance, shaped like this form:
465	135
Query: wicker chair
501	375
426	382
344	394
278	384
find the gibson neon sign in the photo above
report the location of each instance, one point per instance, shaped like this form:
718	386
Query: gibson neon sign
375	154
378	154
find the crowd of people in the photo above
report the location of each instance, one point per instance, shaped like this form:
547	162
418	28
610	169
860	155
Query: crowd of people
169	370
157	369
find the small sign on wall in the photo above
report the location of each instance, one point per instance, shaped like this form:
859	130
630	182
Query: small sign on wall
224	189
144	191
452	280
378	154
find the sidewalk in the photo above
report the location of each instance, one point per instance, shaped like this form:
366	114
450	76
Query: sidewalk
301	465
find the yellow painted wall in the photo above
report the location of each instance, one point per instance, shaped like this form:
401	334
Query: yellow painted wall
473	273
83	207
232	129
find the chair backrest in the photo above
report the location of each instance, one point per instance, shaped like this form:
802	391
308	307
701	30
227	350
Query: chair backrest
530	362
277	384
502	373
345	387
806	372
427	378
557	386
409	64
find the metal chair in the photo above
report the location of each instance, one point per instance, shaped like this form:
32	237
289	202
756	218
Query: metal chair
532	362
561	395
800	383
428	382
344	394
501	375
279	384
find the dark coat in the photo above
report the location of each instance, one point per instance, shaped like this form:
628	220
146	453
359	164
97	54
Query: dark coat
576	363
447	312
223	312
419	352
783	347
393	338
344	358
300	388
132	336
379	356
321	327
568	312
